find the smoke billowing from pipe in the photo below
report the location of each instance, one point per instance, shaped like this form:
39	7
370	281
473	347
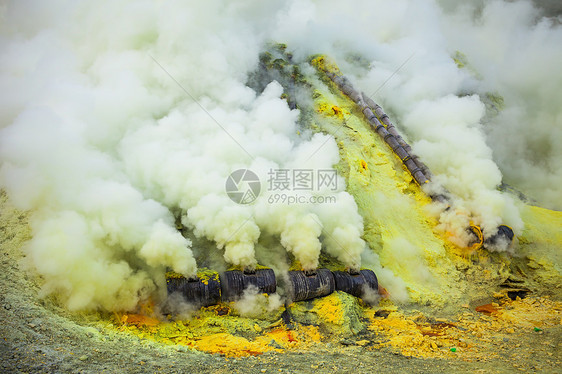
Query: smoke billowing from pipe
101	142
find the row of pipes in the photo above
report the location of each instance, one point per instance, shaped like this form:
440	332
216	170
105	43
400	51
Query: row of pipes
298	285
385	128
382	125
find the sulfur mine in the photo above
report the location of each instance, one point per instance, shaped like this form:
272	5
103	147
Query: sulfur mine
280	187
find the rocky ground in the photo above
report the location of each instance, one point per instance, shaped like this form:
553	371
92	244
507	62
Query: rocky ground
38	336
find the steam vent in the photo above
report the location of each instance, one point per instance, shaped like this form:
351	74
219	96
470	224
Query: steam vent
281	187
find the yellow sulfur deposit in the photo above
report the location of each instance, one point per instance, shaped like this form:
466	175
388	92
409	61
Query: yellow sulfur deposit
398	226
229	345
471	334
330	309
203	274
414	262
213	331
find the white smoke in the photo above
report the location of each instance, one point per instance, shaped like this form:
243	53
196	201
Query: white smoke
255	304
517	53
514	52
101	142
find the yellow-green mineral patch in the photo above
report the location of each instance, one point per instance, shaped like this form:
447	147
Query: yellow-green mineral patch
397	226
416	263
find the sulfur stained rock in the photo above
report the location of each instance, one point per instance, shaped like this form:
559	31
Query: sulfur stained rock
487	308
338	313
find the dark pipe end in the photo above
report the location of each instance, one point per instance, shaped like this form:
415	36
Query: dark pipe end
195	290
356	284
504	233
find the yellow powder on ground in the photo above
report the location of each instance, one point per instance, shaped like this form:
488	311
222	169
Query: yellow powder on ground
330	309
397	226
399	230
471	335
213	330
229	345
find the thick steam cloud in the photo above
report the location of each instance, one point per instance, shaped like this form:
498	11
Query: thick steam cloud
103	135
102	144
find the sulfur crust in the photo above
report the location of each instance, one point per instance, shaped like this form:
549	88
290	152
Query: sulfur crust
390	202
393	209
